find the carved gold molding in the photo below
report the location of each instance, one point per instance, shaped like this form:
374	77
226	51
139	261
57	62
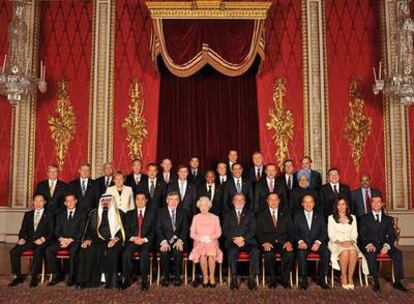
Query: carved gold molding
135	123
208	9
63	126
281	121
357	125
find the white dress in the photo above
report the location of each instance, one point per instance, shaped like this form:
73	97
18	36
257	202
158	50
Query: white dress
343	232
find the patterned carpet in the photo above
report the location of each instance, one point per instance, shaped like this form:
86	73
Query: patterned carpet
188	294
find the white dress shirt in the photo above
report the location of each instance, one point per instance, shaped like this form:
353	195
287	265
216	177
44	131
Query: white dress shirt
213	187
68	211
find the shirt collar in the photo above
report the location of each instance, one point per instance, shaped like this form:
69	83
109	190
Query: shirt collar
40	210
142	209
275	210
84	179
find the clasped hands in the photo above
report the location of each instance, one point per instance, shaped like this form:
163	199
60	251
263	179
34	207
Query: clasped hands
239	241
65	242
137	241
287	246
315	247
38	242
179	245
372	248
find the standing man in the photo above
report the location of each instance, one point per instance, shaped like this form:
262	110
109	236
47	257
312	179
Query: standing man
232	158
154	188
85	189
314	177
136	177
361	197
237	184
332	190
166	174
213	191
222	174
196	176
287	180
256	173
106	180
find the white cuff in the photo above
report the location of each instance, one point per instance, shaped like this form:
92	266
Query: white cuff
387	246
368	245
145	240
318	242
163	242
301	241
132	238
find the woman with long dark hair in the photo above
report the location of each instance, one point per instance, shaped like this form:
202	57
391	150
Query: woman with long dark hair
343	234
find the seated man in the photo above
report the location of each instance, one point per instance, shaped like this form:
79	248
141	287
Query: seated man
239	231
172	233
274	230
377	236
101	246
139	229
35	233
311	236
69	228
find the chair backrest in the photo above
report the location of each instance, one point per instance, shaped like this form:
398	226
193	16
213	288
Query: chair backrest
397	229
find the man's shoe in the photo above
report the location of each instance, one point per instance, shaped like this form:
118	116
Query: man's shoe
144	285
272	283
399	286
233	283
34	282
123	282
177	282
165	282
376	287
323	284
303	283
70	281
16	281
251	284
57	278
285	284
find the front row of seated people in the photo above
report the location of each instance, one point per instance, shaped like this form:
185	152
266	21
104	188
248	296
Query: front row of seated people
102	245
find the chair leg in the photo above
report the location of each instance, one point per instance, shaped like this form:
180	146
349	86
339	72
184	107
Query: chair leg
228	276
263	274
150	276
366	280
193	272
257	280
158	271
291	278
392	272
221	273
43	272
185	272
360	272
297	274
332	277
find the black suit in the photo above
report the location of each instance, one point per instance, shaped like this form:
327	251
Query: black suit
277	237
55	202
27	232
90	200
315	180
246	229
282	184
328	198
358	200
158	199
251	175
217	203
101	186
67	228
130	181
378	234
229	190
188	202
166	232
147	232
295	200
172	177
197	180
261	192
317	232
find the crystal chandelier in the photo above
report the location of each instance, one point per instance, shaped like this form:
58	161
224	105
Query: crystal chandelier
399	83
16	80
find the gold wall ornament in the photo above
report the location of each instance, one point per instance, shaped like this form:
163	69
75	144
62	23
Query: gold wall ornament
135	123
281	121
63	126
357	125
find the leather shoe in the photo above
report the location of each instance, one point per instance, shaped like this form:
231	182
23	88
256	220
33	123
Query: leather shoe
272	284
233	283
251	284
285	284
165	282
376	287
177	282
57	278
144	285
323	284
70	281
398	285
33	282
16	281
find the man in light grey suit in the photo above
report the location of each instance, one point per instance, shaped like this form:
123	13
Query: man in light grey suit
362	196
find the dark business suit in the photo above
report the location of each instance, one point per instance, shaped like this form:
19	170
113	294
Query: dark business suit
217	203
130	181
27	232
147	232
165	231
378	234
90	200
101	186
315	180
229	190
66	228
261	192
328	198
198	179
317	232
282	183
251	175
158	199
246	229
172	178
358	200
277	237
188	202
295	200
54	203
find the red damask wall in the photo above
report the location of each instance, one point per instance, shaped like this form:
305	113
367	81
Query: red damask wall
283	59
5	122
353	49
65	47
132	60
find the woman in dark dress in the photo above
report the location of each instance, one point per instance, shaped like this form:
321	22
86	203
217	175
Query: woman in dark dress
295	197
101	246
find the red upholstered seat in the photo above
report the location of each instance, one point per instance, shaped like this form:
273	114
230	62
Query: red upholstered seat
185	255
28	253
136	254
243	256
313	256
62	253
384	258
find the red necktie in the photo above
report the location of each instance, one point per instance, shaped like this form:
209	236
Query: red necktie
258	174
140	219
367	201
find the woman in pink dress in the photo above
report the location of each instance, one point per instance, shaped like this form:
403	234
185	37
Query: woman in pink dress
205	231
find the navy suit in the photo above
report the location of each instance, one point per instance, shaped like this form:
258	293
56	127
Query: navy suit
229	190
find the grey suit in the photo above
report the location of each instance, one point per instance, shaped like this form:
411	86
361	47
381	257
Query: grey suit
359	201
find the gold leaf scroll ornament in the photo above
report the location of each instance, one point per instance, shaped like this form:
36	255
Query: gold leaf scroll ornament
281	121
63	126
135	123
357	125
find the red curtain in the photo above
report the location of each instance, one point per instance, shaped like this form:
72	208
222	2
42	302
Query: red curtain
5	109
353	48
207	114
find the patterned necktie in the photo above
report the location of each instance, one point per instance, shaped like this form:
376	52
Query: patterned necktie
36	219
274	219
238	217
258	174
83	187
107	182
52	188
271	186
140	220
152	189
367	202
238	186
173	218
309	220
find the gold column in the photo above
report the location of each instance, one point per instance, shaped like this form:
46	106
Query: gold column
24	119
102	88
315	90
396	123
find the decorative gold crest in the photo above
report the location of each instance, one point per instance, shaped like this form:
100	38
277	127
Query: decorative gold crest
357	125
135	123
281	121
63	126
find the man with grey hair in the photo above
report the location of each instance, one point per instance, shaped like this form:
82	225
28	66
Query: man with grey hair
106	180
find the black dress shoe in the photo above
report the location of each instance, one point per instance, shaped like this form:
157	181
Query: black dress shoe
57	278
272	283
16	281
165	282
144	285
177	282
376	287
206	285
323	284
123	282
233	283
303	284
251	284
285	284
34	282
70	281
399	286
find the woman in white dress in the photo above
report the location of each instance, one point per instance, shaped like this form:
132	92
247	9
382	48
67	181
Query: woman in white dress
123	194
343	234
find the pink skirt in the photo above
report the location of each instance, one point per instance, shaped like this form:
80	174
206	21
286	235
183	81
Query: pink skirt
206	249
